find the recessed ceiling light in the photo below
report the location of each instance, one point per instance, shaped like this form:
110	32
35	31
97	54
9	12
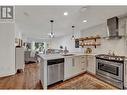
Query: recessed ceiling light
65	13
26	14
83	9
84	20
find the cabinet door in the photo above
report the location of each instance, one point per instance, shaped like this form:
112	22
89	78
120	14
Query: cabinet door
19	58
83	63
80	64
125	75
77	65
68	68
91	64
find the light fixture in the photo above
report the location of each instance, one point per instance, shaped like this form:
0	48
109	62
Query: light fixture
83	9
51	34
73	37
65	13
84	21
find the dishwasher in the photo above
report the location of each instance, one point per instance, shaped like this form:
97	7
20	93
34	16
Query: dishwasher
55	71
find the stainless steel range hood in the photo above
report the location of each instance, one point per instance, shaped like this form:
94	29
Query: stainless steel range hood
113	31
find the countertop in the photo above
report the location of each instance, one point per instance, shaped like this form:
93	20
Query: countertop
57	56
51	56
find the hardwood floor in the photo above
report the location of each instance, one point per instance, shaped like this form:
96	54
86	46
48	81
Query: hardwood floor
29	79
82	82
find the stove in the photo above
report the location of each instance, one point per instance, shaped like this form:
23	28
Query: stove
110	69
111	57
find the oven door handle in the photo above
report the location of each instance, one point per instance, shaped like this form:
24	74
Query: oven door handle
125	69
111	63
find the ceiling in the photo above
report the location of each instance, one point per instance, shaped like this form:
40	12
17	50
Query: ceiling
34	21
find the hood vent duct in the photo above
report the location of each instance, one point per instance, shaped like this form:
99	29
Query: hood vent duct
113	31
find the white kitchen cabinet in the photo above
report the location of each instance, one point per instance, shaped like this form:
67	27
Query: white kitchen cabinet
73	66
77	65
68	67
91	64
19	58
83	63
80	64
125	74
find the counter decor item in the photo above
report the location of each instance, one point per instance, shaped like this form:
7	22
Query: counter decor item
88	50
65	50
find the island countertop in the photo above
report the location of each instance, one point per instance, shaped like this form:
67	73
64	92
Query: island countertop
51	56
57	56
45	57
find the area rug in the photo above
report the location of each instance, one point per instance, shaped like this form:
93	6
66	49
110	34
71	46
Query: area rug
84	82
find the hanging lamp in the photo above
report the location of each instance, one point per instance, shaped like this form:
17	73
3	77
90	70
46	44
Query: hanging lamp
73	36
51	34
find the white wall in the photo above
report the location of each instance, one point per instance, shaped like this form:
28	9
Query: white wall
66	41
18	33
118	46
7	49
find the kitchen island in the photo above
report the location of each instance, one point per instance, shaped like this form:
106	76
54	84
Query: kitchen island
74	64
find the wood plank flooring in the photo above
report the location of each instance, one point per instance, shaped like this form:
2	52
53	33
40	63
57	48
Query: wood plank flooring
30	79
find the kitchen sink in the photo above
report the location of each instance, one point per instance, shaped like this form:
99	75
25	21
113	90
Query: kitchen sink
68	54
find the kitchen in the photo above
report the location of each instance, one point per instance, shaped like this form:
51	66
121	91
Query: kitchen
80	47
112	46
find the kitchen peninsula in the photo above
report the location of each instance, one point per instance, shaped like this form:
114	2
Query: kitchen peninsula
57	67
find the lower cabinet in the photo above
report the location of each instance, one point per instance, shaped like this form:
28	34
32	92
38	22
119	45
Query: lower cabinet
68	67
125	75
73	66
80	64
91	64
19	60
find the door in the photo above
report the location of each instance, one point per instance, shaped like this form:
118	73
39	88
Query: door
77	65
110	68
51	71
68	67
91	64
83	63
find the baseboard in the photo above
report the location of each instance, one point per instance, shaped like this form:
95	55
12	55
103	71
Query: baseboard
94	75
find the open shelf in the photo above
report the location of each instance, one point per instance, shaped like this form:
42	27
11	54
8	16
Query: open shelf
92	41
89	38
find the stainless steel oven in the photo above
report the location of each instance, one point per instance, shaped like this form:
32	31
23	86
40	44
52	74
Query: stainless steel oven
110	71
110	68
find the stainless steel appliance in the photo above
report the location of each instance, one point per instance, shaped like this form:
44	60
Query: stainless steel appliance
113	24
110	69
55	70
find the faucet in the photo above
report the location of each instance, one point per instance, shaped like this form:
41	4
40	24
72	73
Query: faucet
113	53
109	52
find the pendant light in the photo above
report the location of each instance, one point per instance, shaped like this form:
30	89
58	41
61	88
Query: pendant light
73	37
51	34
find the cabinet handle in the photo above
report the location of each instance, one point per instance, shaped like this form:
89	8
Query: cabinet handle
86	61
125	69
73	64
